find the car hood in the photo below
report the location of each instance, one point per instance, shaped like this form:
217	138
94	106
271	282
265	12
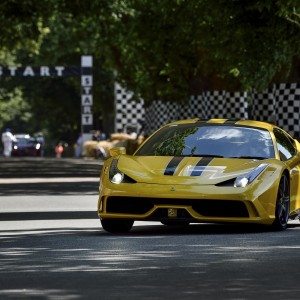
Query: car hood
184	170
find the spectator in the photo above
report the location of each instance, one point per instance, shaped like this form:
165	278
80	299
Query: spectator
96	136
99	136
41	140
7	140
102	136
59	149
79	146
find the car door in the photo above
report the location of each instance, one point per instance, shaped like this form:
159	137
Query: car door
288	153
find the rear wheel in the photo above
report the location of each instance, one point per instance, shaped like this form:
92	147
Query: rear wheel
282	205
116	226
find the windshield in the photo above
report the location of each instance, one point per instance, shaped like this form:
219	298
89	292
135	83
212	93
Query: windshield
209	140
22	142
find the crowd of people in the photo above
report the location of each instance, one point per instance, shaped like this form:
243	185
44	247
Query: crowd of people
97	136
60	149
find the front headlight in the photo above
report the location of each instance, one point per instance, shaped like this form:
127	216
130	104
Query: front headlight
244	180
116	176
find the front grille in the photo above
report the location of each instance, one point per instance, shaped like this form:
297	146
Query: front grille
128	205
207	208
221	208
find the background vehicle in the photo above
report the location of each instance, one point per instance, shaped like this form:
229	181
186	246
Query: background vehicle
26	146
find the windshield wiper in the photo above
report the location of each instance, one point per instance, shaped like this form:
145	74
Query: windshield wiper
248	157
205	155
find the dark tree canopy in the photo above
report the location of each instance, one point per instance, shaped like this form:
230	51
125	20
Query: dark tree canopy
165	49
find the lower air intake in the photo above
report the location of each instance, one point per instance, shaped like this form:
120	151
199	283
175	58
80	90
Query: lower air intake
206	208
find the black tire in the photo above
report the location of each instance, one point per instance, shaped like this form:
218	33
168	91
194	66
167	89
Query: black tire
282	209
116	226
175	222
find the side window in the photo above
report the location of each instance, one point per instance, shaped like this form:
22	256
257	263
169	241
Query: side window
284	144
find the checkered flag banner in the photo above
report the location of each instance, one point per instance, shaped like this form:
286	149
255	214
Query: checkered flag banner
216	104
225	105
263	105
160	113
288	107
127	111
279	103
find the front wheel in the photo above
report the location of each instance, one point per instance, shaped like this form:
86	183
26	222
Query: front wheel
282	209
116	226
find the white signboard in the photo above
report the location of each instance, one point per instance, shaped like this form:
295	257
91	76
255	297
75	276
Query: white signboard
86	100
86	80
86	93
87	119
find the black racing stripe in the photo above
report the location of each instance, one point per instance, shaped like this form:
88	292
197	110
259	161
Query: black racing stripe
203	162
172	165
231	121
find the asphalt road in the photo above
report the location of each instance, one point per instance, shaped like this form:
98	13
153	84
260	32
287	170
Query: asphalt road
52	247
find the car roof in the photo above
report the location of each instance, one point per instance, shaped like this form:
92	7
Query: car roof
22	136
240	122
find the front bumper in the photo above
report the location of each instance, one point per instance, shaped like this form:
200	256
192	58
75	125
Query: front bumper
196	203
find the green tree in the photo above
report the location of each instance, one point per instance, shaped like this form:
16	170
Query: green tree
55	103
165	49
14	111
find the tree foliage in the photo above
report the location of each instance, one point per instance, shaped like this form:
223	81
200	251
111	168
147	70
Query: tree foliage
163	49
55	103
14	112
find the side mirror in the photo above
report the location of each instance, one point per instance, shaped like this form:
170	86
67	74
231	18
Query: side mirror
297	145
117	151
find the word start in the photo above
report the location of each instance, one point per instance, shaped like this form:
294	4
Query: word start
32	71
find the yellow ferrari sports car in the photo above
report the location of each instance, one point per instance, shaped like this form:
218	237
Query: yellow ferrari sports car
215	170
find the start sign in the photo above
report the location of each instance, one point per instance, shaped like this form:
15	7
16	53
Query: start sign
85	71
86	93
43	71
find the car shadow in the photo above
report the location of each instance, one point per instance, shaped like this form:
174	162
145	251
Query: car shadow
142	228
30	167
203	229
50	188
